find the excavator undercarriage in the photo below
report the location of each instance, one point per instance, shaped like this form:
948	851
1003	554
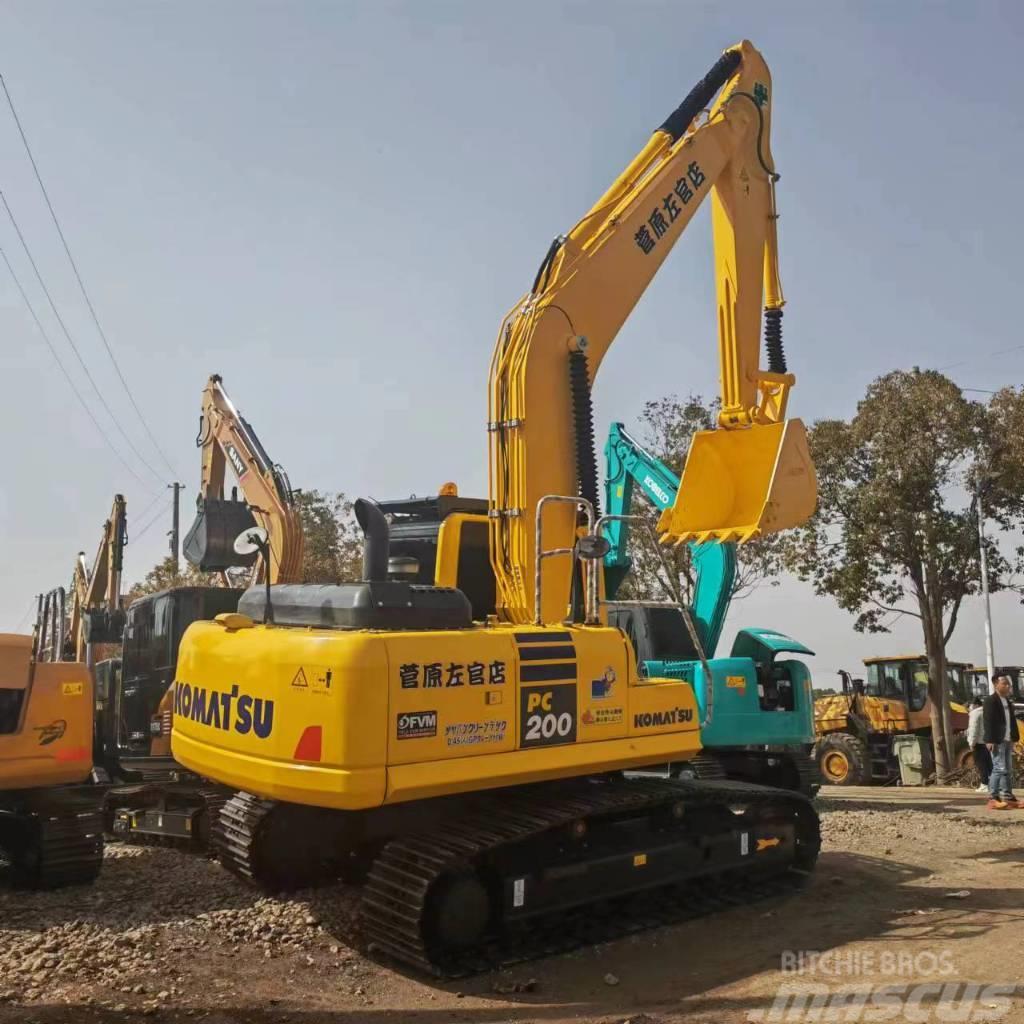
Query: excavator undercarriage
456	886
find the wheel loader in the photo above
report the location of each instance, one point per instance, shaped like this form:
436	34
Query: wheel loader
51	822
856	729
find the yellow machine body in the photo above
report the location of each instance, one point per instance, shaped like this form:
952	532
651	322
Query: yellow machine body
305	715
46	711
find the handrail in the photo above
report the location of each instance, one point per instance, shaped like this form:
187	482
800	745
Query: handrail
590	611
677	601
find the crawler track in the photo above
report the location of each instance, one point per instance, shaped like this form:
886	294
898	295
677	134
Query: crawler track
405	877
54	842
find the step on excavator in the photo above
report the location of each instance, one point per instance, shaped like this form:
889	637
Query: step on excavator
472	773
51	821
763	726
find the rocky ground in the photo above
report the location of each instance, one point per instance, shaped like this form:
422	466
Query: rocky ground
167	936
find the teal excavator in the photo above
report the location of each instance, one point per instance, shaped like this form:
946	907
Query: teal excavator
762	729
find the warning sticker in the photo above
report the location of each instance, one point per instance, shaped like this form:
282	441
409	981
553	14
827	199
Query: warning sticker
313	678
72	689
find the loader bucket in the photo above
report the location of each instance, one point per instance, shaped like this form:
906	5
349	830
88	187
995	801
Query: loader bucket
210	542
738	484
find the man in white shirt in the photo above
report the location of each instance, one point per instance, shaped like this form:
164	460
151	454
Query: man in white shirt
975	740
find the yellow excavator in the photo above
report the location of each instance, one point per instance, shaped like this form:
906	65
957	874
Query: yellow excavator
51	823
476	772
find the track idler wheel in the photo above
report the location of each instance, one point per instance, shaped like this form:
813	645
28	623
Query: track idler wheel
458	912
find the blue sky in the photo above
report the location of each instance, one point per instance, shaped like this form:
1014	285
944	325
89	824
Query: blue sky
333	205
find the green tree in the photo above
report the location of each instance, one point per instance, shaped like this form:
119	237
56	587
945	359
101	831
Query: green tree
667	426
333	540
895	533
163	576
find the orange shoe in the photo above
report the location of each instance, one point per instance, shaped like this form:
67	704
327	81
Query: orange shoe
998	805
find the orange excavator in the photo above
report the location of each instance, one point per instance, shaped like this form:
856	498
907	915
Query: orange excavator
51	825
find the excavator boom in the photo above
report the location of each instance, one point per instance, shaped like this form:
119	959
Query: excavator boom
627	464
751	475
226	437
96	615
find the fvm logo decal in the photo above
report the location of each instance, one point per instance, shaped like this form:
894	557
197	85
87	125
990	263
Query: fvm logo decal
547	715
236	460
417	725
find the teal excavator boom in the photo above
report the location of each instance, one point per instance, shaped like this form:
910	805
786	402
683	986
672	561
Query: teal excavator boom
762	729
714	565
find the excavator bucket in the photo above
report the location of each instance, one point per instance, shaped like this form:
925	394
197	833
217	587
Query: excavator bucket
210	542
738	484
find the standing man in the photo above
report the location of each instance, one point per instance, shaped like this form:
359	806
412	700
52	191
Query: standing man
975	734
1000	733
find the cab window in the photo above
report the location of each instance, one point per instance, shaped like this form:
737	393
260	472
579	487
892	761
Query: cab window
918	688
884	680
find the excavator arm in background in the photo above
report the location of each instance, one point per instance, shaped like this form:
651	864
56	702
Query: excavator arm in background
226	437
714	565
753	474
96	614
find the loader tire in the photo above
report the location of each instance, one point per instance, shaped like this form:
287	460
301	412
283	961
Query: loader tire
843	761
963	755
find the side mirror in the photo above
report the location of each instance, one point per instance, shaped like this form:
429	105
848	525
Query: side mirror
591	547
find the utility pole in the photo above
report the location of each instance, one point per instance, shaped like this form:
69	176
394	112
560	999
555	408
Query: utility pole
990	658
175	531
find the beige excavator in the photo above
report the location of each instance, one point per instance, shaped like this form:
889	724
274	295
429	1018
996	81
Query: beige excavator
268	501
96	615
155	796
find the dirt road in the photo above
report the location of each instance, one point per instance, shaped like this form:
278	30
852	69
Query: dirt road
168	937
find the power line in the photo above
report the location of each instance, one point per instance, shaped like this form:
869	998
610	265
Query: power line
81	283
71	341
68	377
145	512
32	606
154	520
975	359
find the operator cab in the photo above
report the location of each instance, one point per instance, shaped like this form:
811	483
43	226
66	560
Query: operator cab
130	689
905	679
15	671
448	537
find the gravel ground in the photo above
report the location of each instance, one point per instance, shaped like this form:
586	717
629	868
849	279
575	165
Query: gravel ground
169	936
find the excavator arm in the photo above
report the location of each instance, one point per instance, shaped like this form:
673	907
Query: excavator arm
627	464
96	595
226	437
753	474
